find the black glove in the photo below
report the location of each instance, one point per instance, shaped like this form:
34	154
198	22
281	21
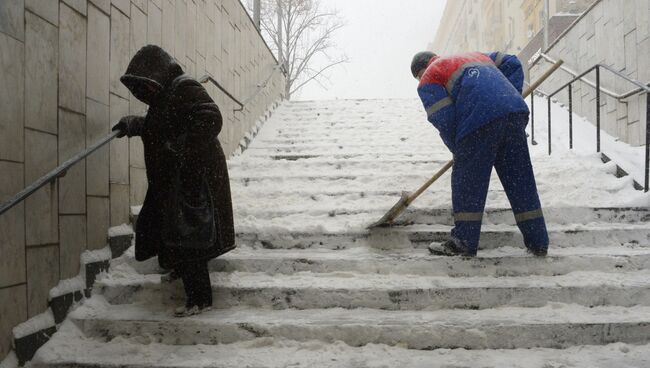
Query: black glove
129	126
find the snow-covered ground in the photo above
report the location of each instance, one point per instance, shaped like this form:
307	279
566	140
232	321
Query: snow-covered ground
310	286
631	159
356	156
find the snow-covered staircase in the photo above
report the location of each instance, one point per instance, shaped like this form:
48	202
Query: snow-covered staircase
308	286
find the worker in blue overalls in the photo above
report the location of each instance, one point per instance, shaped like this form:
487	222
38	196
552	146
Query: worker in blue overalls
475	101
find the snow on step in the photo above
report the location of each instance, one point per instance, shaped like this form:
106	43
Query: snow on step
505	261
308	290
498	262
372	204
310	286
303	231
139	352
551	326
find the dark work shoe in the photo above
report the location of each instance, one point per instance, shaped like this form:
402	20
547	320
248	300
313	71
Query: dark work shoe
537	252
450	248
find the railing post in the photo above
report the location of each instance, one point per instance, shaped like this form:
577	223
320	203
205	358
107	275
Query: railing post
570	116
647	141
532	118
597	108
257	10
549	125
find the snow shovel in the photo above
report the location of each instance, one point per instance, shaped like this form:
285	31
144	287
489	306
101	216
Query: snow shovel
408	198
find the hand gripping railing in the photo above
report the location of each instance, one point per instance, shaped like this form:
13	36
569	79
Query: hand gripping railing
60	171
641	88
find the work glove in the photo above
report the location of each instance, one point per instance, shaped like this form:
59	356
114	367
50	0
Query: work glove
129	126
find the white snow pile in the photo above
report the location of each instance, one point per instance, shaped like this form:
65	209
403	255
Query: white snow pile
99	255
67	286
276	353
11	361
120	230
629	158
33	325
135	210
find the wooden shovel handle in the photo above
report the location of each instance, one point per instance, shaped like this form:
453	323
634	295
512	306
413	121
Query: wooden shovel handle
449	164
542	78
424	186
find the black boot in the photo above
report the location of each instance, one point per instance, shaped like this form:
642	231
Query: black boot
537	252
452	247
198	289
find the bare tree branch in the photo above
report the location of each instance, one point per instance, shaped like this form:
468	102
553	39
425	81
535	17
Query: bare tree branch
319	73
307	39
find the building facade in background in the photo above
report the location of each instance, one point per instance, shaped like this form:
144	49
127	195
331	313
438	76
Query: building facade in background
581	32
505	25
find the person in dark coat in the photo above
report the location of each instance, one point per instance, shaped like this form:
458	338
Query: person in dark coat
186	218
475	101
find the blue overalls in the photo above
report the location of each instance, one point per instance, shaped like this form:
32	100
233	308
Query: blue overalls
475	102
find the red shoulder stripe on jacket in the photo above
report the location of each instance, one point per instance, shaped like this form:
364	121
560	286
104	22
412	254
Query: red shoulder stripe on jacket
441	70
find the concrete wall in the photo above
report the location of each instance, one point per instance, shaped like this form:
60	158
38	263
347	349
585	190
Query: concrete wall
60	63
615	33
557	25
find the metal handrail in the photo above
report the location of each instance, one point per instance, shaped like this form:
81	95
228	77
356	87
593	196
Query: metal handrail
641	88
260	87
59	172
592	84
208	78
62	169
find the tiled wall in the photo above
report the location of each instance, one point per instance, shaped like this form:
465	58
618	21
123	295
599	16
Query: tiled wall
60	63
615	33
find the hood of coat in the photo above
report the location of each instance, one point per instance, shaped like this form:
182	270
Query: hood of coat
149	72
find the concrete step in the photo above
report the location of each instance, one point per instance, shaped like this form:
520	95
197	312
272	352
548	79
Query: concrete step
285	233
257	156
551	326
341	149
315	126
504	261
370	132
308	290
309	178
376	205
72	349
496	262
555	195
334	167
308	141
239	167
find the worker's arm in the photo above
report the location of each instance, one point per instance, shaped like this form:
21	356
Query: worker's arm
511	67
440	111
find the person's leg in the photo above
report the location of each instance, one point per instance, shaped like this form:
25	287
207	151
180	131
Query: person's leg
470	180
196	281
516	174
204	286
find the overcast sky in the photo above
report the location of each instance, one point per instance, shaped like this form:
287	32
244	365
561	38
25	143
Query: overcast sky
380	38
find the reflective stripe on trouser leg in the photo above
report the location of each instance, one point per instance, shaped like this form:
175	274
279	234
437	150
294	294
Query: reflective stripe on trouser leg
533	227
530	215
468	216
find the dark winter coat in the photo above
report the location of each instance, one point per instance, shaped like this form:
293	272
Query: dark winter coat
187	212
